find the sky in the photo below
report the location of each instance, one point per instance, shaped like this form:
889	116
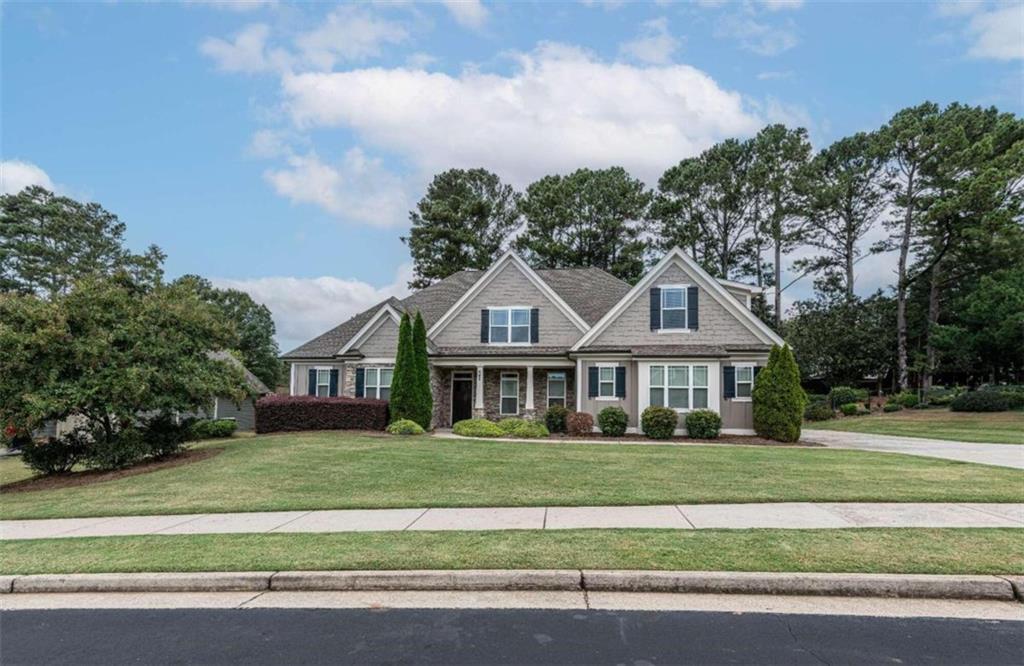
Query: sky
277	148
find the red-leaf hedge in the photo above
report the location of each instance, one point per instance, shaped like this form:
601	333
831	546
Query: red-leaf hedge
276	413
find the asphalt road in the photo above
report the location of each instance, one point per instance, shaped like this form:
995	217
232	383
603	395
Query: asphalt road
289	636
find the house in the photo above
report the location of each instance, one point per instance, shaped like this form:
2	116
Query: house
244	412
513	340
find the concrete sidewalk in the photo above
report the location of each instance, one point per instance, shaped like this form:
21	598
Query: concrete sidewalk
789	515
1001	455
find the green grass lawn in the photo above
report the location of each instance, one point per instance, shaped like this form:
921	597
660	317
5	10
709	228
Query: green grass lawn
946	551
996	428
341	470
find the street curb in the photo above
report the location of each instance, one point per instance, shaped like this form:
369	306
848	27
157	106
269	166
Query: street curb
911	586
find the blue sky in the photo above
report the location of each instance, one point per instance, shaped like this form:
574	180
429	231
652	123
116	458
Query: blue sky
278	147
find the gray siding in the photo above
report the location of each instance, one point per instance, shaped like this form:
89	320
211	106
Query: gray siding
383	342
509	287
593	406
717	325
738	414
244	413
302	375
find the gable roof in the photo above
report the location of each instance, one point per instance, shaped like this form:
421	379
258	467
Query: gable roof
590	292
712	285
254	383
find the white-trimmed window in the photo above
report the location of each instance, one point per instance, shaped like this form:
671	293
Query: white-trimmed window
744	382
681	387
606	381
509	325
509	393
377	383
556	389
673	307
323	382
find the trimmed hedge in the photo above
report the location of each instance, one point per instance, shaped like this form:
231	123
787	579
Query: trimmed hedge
579	423
405	427
906	399
853	409
819	411
659	422
555	417
980	401
843	395
703	424
477	428
892	407
277	413
612	421
212	428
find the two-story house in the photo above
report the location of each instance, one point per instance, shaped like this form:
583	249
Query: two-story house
513	340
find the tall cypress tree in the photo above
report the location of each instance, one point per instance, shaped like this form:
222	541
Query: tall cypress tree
403	381
779	400
424	399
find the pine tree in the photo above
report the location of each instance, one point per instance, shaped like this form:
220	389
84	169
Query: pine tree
779	400
424	400
403	381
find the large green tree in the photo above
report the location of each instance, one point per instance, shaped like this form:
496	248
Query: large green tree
253	327
48	241
464	221
587	218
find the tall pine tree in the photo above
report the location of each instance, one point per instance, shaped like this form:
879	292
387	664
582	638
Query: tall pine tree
424	399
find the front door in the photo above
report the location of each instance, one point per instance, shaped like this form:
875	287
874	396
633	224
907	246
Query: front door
462	396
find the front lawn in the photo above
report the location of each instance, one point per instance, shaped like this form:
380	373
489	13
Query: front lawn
334	470
937	551
992	427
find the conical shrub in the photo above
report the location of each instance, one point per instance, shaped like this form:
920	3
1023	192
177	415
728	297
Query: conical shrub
779	400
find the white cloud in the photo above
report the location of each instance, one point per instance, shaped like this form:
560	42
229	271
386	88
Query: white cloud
757	37
245	52
781	5
358	188
560	109
16	175
958	7
607	5
420	60
998	34
654	45
348	34
306	307
235	5
467	13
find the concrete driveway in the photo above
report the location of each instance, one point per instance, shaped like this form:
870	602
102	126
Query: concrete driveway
1001	455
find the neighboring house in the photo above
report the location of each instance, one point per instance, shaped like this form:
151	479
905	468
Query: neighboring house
512	340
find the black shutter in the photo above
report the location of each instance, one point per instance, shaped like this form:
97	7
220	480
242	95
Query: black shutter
655	309
485	323
360	382
311	389
592	387
535	325
620	382
691	308
729	382
334	383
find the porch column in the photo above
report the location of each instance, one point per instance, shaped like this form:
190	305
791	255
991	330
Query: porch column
478	399
529	411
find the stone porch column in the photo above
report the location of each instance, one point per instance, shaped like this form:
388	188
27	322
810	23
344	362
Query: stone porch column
529	411
478	399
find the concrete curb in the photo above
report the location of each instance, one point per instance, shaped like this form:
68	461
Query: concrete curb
912	586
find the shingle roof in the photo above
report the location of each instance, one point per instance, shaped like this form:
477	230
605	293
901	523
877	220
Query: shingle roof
652	351
490	350
590	292
252	381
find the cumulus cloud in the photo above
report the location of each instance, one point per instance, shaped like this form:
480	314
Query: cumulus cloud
306	307
559	109
348	34
467	13
357	188
756	36
16	175
998	34
244	52
655	44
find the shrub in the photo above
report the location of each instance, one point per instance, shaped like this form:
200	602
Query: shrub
980	401
778	399
554	418
906	399
819	411
703	424
941	397
122	449
659	422
164	435
212	428
405	427
842	395
1014	399
55	455
527	429
276	413
612	421
853	409
579	423
477	428
892	407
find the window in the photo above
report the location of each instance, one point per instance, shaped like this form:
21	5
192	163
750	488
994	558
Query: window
510	325
680	387
556	389
744	381
323	382
606	382
509	393
673	308
378	383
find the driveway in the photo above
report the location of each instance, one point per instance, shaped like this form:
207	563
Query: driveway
1001	455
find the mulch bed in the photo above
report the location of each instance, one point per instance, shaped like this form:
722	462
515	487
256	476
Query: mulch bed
90	477
747	440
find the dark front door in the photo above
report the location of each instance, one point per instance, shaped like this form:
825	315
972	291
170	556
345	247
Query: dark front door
462	398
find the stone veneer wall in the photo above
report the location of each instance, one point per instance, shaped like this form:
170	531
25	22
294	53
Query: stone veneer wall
441	389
